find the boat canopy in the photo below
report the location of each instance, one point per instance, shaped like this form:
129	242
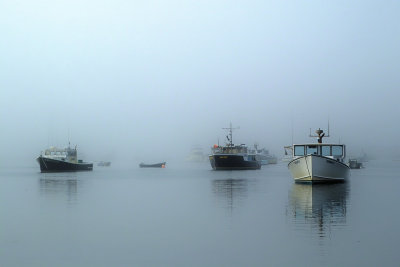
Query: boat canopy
326	150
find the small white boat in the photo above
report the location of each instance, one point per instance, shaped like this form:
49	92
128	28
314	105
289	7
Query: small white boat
319	162
354	164
104	163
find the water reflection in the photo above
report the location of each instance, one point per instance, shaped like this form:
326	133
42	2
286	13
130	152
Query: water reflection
323	207
231	191
56	184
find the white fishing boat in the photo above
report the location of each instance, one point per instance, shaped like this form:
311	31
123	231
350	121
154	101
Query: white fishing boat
319	162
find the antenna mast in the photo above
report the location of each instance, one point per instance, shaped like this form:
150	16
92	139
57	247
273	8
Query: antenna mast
230	134
292	126
320	134
69	140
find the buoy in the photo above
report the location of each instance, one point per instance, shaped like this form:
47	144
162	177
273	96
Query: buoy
215	146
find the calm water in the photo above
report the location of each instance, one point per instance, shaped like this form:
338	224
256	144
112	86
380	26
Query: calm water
193	216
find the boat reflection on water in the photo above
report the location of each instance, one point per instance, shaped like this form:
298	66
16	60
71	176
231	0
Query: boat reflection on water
231	191
54	185
321	206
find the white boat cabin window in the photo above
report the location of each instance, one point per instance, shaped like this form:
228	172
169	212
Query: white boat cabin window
337	151
325	150
299	150
312	150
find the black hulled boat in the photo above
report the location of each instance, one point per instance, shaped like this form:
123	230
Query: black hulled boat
156	165
232	157
62	160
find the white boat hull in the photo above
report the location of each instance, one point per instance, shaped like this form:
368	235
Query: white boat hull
314	168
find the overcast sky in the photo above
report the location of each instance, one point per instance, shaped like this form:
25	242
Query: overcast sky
135	78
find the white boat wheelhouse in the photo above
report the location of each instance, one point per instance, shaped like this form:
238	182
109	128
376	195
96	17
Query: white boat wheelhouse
63	154
319	162
332	151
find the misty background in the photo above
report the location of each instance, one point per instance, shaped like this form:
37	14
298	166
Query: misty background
132	81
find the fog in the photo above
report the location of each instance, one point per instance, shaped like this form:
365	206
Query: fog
131	81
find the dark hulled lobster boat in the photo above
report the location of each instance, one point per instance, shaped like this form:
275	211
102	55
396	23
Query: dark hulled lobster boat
156	165
62	160
233	157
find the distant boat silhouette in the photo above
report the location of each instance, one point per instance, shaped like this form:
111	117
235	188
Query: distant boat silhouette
155	165
104	163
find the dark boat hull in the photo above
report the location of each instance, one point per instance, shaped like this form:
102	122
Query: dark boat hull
233	162
157	165
52	165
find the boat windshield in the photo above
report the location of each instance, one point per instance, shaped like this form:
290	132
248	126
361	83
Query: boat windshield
325	150
336	151
312	149
299	150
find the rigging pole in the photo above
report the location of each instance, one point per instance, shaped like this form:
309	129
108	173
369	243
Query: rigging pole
230	134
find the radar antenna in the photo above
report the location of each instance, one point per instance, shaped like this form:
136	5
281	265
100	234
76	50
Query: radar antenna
320	134
229	137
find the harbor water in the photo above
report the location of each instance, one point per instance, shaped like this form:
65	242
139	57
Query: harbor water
190	215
